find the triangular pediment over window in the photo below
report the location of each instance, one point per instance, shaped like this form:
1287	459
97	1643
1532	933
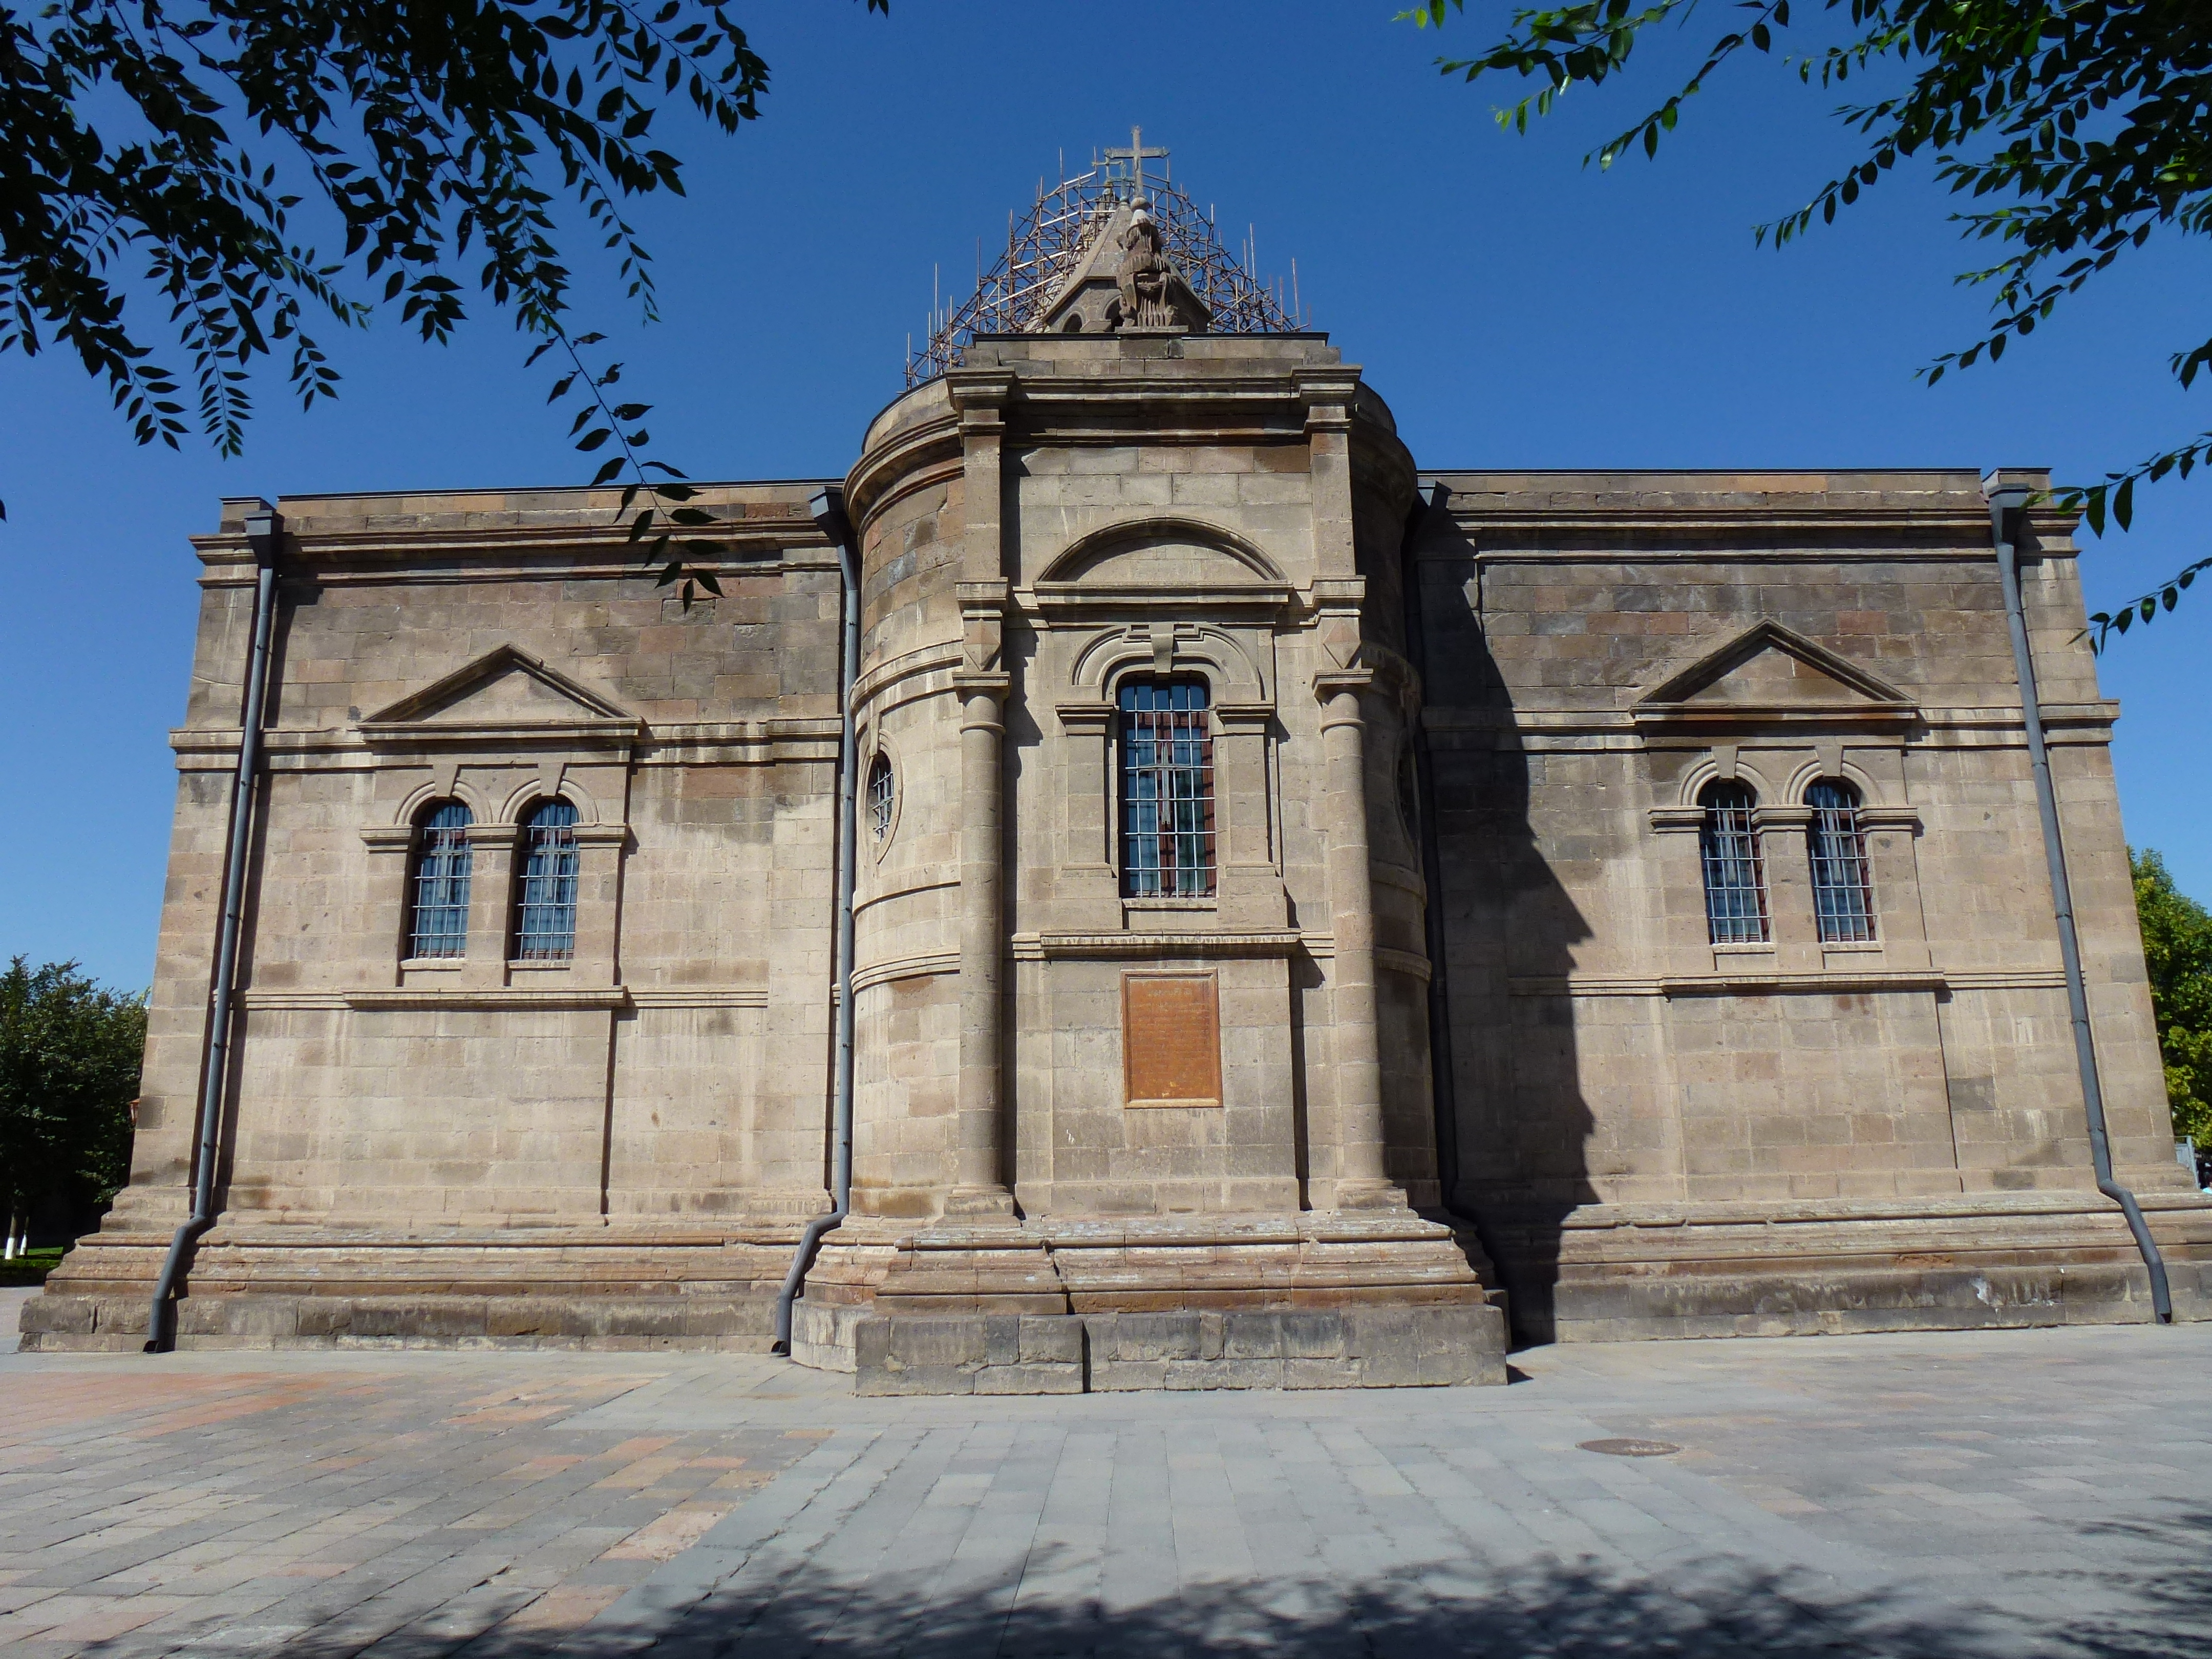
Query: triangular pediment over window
1769	673
504	693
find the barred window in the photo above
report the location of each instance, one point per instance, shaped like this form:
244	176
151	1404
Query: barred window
1843	886
545	930
440	926
882	794
1167	791
1736	884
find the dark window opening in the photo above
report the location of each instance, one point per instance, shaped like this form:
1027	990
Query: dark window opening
881	795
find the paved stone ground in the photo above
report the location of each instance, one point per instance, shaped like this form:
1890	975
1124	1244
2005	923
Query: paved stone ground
2037	1492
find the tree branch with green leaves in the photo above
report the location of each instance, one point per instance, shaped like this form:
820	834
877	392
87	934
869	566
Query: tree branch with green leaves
438	135
2080	129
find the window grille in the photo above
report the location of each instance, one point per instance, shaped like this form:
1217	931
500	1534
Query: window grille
1843	886
880	796
440	923
1167	791
547	930
1736	884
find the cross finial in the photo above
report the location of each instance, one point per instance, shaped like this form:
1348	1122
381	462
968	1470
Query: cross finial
1136	155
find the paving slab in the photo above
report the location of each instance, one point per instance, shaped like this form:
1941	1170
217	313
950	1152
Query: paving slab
1956	1496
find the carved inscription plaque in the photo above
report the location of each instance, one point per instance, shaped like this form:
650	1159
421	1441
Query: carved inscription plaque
1170	1039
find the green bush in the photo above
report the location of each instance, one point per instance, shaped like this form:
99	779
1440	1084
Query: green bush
69	1053
2177	935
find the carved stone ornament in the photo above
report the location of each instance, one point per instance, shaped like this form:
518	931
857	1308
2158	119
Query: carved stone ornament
1153	293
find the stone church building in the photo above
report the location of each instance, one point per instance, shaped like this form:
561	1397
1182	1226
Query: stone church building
1300	915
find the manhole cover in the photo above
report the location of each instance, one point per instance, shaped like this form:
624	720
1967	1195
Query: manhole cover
1632	1448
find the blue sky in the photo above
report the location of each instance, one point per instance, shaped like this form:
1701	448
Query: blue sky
1514	309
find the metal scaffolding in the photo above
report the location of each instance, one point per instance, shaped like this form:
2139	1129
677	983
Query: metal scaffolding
1048	243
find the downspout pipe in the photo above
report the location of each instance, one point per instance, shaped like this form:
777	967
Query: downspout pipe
2008	502
1443	1082
264	530
828	507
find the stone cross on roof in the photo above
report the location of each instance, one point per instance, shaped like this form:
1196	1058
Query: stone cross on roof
1136	155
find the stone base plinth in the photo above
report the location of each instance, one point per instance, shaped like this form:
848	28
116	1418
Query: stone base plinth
1617	1273
1366	1299
524	1287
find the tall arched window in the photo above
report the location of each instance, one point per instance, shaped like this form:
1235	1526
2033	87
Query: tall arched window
1735	885
545	925
440	925
1167	790
1843	886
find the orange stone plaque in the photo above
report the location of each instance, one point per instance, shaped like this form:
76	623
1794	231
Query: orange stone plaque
1170	1040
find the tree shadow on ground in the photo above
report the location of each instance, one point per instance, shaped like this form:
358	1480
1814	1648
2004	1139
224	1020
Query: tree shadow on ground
1056	1608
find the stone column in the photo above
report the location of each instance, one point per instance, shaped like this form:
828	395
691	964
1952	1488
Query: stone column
980	1186
1360	1181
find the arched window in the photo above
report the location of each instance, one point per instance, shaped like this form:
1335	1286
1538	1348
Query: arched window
440	926
881	795
1167	790
1735	885
545	928
1843	886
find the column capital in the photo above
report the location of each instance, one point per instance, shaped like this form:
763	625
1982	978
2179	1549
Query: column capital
980	394
1335	682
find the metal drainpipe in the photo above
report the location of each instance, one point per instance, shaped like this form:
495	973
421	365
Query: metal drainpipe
828	507
1442	1078
264	531
2008	511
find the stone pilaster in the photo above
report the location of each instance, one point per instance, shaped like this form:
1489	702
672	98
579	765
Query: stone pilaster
491	898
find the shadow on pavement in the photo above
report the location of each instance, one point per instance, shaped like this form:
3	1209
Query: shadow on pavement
1570	1613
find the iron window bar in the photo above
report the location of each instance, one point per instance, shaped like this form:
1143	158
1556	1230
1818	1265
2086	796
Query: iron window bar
1735	884
1167	791
440	926
547	928
1843	882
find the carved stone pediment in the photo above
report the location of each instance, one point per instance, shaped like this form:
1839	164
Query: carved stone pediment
1767	675
505	695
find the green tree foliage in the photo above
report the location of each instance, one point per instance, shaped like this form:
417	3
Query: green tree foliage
2074	128
2177	935
155	154
69	1053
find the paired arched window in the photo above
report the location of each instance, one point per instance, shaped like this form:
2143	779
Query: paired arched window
1735	884
439	925
1167	790
546	898
1843	887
